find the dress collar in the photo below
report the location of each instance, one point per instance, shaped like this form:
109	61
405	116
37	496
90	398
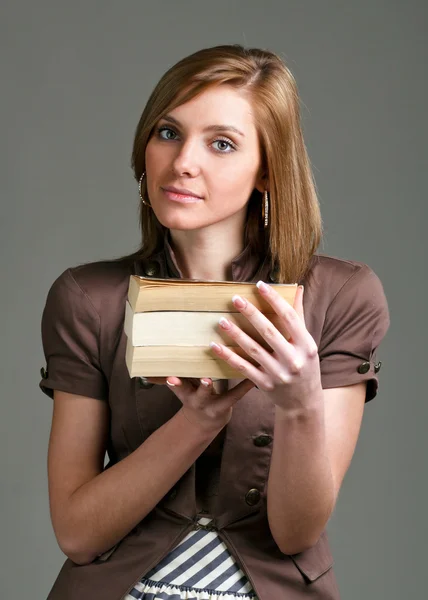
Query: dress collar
246	266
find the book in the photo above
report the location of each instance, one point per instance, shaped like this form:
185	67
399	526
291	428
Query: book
169	324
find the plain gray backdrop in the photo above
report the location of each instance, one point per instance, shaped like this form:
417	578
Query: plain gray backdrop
75	78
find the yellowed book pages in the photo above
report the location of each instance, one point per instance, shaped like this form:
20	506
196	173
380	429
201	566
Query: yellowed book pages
170	322
187	328
149	294
184	361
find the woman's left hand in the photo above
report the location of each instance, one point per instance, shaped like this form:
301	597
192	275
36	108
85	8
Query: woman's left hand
290	375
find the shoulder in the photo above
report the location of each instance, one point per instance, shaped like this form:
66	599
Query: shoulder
347	312
331	272
332	281
101	285
346	294
338	291
83	314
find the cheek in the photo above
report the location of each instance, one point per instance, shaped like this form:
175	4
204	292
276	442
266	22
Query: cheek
236	179
152	156
157	163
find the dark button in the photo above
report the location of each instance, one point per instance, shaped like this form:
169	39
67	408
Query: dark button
151	269
364	368
252	497
262	440
146	385
44	373
377	367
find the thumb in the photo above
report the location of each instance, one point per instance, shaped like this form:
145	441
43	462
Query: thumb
241	388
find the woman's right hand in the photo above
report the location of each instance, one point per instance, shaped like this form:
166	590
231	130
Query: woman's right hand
202	405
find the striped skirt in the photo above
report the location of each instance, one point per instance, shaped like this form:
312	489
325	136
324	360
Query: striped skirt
200	567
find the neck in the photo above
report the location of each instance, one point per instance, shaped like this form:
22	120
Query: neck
207	253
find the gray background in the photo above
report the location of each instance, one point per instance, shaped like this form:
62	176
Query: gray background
75	77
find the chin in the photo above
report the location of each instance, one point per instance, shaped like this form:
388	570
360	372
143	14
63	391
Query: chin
181	222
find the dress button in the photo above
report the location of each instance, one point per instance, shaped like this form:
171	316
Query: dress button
377	367
44	373
262	440
364	368
146	385
252	496
151	269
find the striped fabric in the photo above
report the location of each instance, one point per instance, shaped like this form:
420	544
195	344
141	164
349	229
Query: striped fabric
200	567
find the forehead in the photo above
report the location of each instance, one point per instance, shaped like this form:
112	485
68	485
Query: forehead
217	105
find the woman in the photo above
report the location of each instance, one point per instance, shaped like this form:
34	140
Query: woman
213	489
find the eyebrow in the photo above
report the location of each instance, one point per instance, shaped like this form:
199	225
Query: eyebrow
209	128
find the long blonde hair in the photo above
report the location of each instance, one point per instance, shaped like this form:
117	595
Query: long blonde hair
295	225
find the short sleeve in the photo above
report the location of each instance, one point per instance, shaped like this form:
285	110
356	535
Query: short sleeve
70	338
356	322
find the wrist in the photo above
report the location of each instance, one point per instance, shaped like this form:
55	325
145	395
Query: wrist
195	426
304	410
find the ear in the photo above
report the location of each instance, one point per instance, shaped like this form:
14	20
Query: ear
262	183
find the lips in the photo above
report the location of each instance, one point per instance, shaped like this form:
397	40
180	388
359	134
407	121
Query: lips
181	191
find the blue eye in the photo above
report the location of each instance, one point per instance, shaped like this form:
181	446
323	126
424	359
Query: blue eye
228	143
226	146
165	130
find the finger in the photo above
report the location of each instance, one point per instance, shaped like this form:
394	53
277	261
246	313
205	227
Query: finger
292	322
269	332
242	388
173	381
298	302
259	377
187	383
232	396
156	380
276	339
170	381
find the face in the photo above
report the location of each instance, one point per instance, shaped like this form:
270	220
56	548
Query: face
207	147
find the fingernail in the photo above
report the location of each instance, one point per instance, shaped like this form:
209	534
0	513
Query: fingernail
238	301
215	346
205	382
170	384
302	287
224	323
262	286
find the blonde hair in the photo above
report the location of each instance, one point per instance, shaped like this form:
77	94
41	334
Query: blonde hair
295	225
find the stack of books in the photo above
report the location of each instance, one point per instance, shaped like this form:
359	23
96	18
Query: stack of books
169	324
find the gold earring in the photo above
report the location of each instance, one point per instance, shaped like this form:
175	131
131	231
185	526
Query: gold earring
265	208
141	193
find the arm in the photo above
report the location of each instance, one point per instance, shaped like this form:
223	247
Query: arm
319	397
92	509
311	453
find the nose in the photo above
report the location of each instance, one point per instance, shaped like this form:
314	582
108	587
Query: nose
186	161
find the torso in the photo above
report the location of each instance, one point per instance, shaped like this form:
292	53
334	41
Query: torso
208	464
